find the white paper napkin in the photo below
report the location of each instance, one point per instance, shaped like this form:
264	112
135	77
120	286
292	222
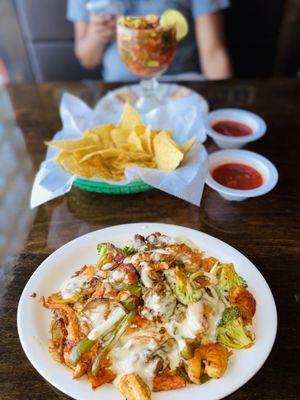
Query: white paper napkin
183	116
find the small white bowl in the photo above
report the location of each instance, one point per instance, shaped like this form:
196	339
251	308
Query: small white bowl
261	164
256	123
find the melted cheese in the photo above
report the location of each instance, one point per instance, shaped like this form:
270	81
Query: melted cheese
116	314
146	280
97	315
187	241
212	321
117	275
134	259
160	251
159	304
107	266
133	357
153	303
192	325
73	285
174	356
162	239
194	322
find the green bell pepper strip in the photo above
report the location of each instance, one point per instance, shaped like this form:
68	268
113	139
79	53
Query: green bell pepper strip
134	289
82	347
205	378
130	304
85	344
120	329
56	331
183	374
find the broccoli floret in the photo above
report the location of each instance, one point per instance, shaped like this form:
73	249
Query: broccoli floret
129	250
229	314
227	277
102	250
181	287
231	331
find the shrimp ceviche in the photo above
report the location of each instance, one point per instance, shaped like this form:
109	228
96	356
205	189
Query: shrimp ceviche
155	315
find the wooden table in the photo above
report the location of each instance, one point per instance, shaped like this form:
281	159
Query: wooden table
265	229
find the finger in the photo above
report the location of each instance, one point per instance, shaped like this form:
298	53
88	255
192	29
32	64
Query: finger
107	34
110	34
101	18
104	29
108	17
103	25
111	24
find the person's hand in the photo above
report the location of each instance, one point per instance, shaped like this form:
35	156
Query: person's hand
103	27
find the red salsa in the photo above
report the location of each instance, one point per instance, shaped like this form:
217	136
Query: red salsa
231	128
237	176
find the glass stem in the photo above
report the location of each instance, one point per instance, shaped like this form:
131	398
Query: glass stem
149	86
149	99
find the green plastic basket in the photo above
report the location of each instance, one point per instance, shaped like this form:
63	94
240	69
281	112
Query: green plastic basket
102	187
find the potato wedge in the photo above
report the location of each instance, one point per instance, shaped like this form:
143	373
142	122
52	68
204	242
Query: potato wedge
194	369
132	387
215	358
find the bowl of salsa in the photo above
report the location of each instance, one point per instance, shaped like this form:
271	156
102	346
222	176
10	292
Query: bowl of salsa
233	127
240	174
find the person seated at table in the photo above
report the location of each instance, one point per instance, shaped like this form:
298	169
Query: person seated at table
95	38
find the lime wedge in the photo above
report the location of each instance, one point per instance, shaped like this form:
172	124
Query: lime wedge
174	17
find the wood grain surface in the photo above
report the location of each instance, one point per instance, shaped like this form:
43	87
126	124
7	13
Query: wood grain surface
265	229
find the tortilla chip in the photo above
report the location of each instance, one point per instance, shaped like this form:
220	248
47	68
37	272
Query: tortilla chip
67	161
120	136
147	140
69	145
130	118
134	142
167	154
81	152
101	135
107	153
187	145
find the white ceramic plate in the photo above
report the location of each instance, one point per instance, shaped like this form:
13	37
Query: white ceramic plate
113	101
33	319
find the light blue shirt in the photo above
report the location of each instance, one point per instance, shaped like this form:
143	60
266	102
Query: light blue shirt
186	59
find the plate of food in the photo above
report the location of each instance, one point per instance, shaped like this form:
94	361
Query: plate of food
137	310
